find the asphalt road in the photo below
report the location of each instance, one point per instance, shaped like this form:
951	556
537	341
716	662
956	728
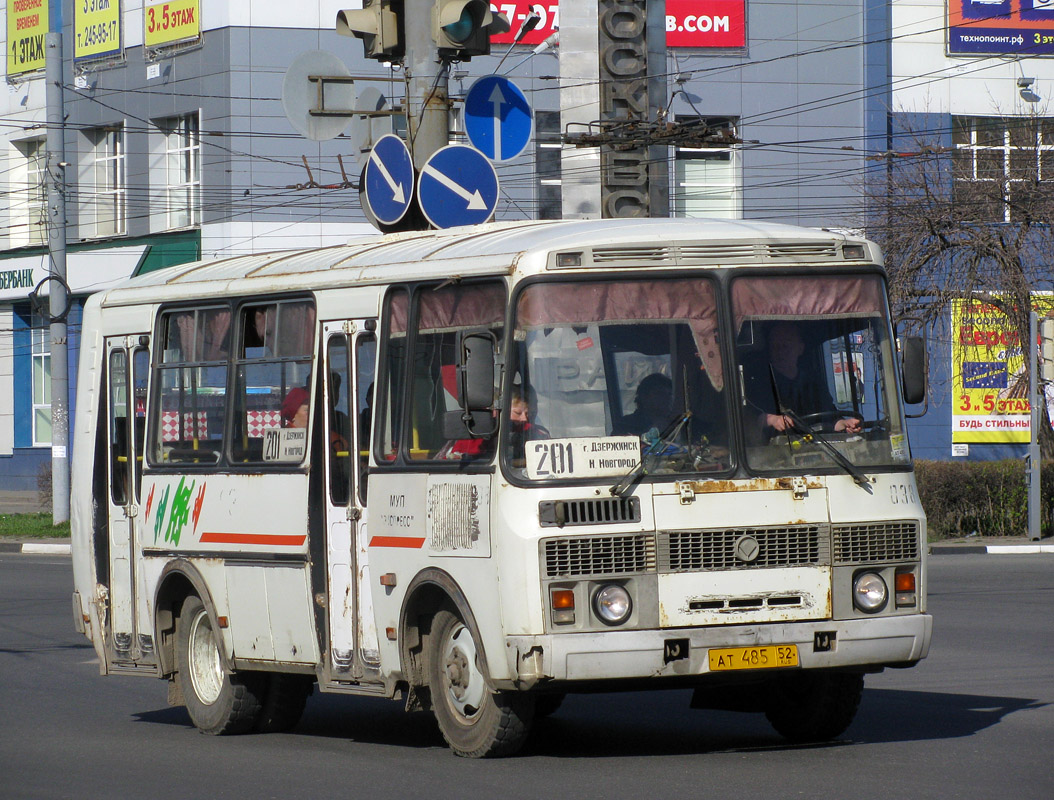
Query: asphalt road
975	720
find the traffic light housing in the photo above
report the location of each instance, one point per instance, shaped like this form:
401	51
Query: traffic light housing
378	24
462	28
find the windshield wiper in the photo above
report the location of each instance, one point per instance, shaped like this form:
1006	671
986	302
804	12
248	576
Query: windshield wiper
809	435
666	438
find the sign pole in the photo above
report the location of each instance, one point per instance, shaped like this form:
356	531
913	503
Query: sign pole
57	299
1033	445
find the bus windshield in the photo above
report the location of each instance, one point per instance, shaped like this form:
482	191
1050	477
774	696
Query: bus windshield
817	373
612	375
613	371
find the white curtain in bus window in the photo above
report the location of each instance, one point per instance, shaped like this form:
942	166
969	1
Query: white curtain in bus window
273	382
192	386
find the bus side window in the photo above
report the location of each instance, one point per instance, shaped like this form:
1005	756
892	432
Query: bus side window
272	374
118	373
340	436
189	417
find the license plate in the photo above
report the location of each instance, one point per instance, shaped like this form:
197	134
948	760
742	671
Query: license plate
766	657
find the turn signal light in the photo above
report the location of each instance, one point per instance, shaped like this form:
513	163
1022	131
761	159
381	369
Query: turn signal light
905	588
563	605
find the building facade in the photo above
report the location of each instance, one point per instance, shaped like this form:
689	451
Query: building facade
178	145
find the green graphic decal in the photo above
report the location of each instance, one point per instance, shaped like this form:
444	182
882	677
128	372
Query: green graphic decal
180	512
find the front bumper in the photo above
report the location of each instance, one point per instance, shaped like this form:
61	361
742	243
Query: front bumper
611	655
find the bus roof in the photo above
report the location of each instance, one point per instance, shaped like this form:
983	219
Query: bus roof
495	248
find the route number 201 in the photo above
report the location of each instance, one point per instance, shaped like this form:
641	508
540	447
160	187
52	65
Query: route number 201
553	458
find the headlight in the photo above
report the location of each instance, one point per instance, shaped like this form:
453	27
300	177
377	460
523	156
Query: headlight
612	604
870	592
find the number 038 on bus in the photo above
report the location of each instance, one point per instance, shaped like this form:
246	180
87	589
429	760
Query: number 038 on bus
479	469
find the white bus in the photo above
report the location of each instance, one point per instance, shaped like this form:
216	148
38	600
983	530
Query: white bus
481	468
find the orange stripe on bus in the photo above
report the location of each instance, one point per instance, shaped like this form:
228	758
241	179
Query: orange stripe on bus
396	541
278	539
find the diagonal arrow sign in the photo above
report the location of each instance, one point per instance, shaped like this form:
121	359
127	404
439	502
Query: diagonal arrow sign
397	188
497	99
474	199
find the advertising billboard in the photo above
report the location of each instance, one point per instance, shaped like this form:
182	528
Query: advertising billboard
689	23
167	22
27	22
1001	27
990	388
96	28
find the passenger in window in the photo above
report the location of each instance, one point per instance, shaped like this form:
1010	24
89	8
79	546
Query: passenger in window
522	412
365	415
654	401
796	387
295	408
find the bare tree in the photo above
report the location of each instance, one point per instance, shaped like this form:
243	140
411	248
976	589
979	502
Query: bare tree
969	215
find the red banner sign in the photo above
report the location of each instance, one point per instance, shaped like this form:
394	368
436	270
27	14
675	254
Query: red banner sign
689	23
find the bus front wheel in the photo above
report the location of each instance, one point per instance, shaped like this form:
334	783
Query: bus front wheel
814	706
476	722
218	701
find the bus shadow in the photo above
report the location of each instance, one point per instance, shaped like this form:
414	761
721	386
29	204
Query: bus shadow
654	723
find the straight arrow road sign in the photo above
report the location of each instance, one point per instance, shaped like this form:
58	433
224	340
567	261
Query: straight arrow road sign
498	118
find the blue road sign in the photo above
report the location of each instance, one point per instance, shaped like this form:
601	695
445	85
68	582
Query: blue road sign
389	179
498	118
457	186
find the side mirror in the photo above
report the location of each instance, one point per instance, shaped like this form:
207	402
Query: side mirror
476	371
913	368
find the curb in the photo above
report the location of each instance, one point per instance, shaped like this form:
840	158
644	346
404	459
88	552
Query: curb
990	549
31	548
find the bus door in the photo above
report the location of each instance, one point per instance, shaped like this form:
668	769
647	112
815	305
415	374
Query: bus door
127	367
351	356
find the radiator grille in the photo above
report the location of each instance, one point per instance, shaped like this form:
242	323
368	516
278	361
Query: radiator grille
590	511
599	555
877	541
682	551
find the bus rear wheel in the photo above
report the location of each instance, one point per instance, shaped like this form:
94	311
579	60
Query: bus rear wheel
218	701
476	722
814	706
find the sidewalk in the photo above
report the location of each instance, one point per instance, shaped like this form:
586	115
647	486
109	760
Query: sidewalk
992	545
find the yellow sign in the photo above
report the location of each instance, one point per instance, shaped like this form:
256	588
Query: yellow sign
96	28
170	21
989	383
27	22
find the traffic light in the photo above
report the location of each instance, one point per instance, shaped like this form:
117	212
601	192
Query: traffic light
1046	349
377	23
462	28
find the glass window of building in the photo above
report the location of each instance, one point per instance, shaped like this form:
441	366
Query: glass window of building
104	212
182	169
29	200
41	370
547	163
999	162
708	180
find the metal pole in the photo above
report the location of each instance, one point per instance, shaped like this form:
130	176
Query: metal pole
428	105
1033	446
56	164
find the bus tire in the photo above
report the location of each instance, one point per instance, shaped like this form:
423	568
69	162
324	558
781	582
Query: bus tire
474	721
284	701
219	702
814	706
